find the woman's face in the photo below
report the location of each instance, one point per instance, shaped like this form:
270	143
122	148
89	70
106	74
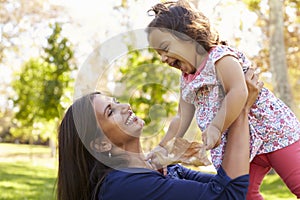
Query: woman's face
117	120
177	53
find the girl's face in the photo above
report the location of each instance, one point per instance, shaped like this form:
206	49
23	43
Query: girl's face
117	120
177	53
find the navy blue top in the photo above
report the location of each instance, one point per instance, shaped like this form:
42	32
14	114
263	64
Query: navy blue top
180	183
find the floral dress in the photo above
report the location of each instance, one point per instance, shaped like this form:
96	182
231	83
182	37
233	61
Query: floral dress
272	124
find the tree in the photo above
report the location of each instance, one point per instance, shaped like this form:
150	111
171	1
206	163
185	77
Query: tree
57	79
42	85
20	24
277	53
282	35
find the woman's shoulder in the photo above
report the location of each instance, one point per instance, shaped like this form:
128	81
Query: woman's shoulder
130	174
130	184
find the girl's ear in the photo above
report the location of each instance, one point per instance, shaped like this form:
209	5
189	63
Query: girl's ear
101	145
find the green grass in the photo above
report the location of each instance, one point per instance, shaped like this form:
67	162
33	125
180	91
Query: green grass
28	172
274	189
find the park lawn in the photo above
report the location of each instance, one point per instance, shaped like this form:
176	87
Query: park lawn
28	172
273	188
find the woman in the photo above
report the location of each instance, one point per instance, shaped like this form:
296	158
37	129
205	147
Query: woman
100	156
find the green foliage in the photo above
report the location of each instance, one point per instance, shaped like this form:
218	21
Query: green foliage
57	77
40	86
29	87
151	88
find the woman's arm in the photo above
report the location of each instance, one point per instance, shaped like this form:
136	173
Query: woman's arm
180	172
231	75
236	157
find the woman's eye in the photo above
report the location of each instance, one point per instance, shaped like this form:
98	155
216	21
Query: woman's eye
109	111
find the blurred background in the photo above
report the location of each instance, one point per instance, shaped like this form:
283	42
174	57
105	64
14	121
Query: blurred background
44	44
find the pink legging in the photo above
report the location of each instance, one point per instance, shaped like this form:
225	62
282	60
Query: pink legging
286	163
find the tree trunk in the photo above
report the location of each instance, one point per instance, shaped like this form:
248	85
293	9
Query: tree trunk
52	145
277	53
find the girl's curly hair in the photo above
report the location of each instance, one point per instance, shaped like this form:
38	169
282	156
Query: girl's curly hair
184	21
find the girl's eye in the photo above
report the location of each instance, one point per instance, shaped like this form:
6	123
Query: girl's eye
164	48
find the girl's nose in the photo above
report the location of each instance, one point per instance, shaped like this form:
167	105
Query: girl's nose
164	58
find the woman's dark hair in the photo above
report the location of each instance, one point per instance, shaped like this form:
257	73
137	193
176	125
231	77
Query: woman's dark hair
185	22
80	170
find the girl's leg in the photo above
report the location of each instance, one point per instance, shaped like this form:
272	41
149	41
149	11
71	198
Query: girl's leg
286	162
259	167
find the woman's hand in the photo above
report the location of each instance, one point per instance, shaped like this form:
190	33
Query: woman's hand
211	137
254	86
236	156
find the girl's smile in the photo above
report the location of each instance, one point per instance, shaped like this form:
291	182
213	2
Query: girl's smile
175	52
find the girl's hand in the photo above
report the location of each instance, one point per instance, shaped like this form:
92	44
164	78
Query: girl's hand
211	137
185	152
179	150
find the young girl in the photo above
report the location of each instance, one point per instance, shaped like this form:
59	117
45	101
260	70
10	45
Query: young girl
213	86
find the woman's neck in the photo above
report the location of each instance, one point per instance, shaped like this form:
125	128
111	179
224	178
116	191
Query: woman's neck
138	161
135	156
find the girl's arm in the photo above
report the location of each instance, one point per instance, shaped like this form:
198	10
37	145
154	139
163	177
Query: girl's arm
178	126
230	73
181	122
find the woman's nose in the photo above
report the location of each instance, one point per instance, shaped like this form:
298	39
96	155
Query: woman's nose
125	107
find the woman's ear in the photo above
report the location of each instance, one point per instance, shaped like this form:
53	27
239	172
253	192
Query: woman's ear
101	145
